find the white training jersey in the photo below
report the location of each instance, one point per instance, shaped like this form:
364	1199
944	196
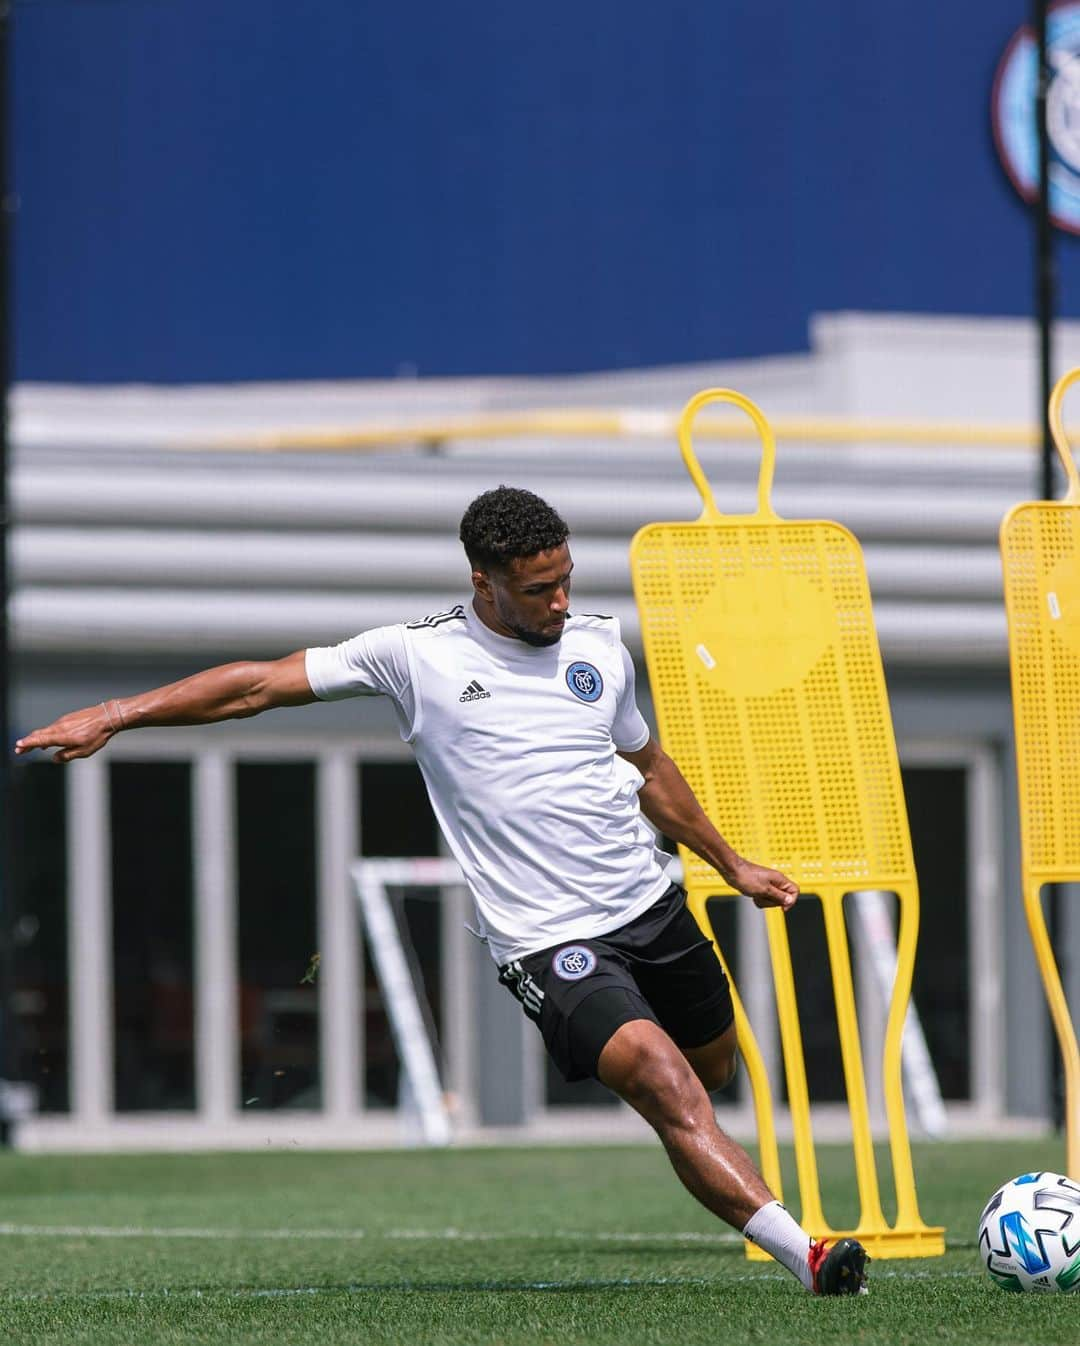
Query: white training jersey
517	745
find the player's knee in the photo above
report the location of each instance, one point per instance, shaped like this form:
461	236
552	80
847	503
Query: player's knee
660	1084
719	1073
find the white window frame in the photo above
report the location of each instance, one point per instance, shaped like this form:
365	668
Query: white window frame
985	912
217	1120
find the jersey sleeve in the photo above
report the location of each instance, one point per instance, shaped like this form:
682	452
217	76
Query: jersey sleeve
374	663
629	732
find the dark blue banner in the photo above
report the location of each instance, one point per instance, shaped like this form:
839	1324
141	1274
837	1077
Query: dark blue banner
268	189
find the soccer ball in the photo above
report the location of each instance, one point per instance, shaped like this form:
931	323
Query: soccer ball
1029	1234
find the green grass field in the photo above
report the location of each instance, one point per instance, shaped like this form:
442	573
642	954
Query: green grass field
487	1246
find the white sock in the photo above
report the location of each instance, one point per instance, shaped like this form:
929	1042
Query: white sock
773	1229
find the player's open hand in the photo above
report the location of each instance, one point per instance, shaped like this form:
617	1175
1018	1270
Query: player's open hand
79	734
768	887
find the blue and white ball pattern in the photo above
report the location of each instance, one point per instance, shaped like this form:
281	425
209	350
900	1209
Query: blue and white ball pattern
1029	1234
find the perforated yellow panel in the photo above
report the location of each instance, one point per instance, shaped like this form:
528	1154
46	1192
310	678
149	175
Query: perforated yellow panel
1040	545
769	694
1040	557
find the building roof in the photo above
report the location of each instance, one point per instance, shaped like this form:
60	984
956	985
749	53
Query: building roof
142	525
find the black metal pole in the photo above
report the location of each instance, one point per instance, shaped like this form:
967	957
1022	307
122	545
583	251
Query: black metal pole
6	830
1044	251
1044	306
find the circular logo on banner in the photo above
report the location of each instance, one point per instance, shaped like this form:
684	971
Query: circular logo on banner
1013	111
573	962
584	681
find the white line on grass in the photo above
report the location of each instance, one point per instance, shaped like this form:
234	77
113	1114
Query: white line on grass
289	1292
466	1287
94	1231
579	1235
448	1235
418	1235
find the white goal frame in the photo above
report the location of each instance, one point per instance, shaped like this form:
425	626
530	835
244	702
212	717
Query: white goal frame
423	1098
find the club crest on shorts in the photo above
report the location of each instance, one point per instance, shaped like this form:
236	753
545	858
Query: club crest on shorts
573	962
584	681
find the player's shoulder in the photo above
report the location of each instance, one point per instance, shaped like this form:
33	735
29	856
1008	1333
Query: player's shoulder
593	621
437	625
595	629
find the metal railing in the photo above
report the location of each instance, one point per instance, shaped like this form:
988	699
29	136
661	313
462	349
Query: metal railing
635	423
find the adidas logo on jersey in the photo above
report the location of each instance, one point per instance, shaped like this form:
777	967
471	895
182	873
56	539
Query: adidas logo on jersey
474	692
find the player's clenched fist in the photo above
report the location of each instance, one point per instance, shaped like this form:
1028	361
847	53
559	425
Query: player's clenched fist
767	887
77	734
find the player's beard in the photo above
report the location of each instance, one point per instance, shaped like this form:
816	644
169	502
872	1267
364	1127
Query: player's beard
535	638
539	638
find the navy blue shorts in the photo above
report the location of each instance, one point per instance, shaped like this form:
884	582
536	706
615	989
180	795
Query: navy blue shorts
659	967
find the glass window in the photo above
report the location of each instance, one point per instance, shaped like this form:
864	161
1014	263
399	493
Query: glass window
816	1004
152	928
277	934
941	990
396	820
39	931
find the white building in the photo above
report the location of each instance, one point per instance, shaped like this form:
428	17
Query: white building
173	890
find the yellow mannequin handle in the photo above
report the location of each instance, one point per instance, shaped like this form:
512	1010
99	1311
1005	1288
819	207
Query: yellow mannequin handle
768	450
1061	441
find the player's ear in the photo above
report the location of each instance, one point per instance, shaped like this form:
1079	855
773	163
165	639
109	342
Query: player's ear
482	583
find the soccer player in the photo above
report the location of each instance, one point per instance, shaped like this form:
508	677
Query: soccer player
539	766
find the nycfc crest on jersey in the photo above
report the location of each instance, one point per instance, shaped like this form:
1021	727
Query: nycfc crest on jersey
585	681
573	963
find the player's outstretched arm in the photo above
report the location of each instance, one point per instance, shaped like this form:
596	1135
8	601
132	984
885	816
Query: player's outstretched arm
228	692
671	806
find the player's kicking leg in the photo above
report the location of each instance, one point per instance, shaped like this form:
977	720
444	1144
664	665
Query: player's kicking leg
642	1064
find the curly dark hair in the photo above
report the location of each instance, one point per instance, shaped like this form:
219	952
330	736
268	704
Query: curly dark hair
506	523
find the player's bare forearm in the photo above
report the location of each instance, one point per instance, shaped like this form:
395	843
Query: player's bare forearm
671	806
227	692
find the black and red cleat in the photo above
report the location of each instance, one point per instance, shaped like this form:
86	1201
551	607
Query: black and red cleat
838	1268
